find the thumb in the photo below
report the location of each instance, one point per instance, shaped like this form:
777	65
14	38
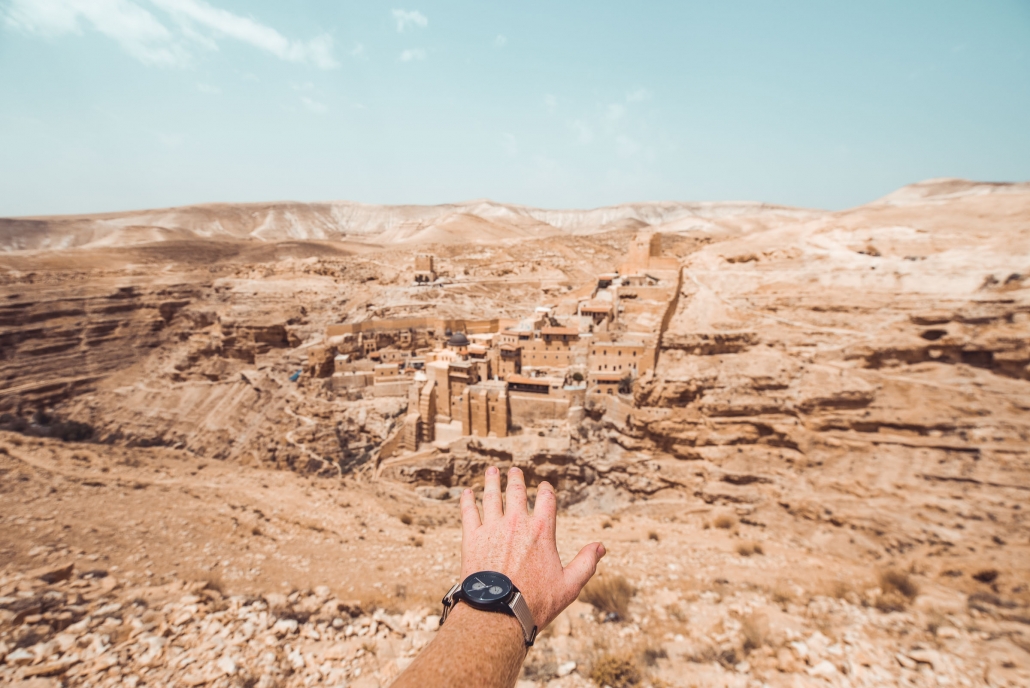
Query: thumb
580	569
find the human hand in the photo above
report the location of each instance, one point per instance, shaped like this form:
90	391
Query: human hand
510	541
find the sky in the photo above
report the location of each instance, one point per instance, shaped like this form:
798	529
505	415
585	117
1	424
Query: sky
126	104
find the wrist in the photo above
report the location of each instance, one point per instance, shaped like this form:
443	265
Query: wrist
496	629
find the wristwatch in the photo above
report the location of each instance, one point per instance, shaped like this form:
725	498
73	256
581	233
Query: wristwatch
490	591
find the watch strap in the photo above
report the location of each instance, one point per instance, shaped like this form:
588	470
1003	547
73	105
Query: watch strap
449	601
520	609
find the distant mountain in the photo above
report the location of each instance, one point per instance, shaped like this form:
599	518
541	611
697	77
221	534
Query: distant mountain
470	222
478	221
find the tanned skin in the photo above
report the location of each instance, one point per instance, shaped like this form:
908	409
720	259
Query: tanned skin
486	649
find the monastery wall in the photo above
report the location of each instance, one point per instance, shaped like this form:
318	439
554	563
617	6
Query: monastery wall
528	409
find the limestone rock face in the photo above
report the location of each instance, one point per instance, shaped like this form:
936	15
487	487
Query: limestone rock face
883	348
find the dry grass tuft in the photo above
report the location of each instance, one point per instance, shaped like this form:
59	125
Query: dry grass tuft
782	596
897	591
986	576
606	524
726	522
746	549
616	671
755	629
651	655
609	595
653	535
213	582
406	519
840	589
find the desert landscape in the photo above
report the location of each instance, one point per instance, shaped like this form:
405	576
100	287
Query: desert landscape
232	437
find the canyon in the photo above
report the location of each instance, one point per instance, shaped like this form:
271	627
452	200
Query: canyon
822	480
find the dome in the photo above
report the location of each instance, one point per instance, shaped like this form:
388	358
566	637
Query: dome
458	339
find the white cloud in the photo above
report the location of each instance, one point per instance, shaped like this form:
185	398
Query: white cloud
616	111
510	144
412	54
358	51
142	35
406	18
136	30
208	88
638	95
317	51
314	106
584	134
500	41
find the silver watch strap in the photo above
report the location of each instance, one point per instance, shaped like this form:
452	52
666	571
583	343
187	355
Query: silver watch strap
448	601
519	607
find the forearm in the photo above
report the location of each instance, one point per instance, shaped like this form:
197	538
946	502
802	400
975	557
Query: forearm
473	649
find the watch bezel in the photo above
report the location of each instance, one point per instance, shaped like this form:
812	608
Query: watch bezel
501	600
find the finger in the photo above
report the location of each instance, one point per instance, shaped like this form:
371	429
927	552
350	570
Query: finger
580	569
492	509
469	513
546	507
515	495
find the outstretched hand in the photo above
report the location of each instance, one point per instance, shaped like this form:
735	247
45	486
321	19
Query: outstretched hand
509	540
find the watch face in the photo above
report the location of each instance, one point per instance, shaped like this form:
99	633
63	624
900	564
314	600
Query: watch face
486	587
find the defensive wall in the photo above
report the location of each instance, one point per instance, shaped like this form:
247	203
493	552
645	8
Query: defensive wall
436	324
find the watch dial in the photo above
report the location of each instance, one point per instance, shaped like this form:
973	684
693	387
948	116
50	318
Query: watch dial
486	587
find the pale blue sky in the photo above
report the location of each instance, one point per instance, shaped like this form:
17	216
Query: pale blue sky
121	104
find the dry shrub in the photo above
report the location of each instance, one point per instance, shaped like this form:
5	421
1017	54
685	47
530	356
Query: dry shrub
617	671
406	519
782	595
746	549
897	591
651	655
606	524
986	576
653	535
725	521
936	620
213	581
609	595
755	629
840	589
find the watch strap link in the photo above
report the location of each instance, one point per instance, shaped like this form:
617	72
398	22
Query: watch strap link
449	601
521	611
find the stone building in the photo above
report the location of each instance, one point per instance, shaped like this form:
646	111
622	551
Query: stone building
551	348
488	409
618	357
645	253
425	272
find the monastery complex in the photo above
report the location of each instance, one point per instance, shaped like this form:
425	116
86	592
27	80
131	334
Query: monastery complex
504	377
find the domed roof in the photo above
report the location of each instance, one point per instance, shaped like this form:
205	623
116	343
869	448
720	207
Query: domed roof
458	339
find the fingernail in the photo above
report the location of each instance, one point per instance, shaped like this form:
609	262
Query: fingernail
513	469
493	470
601	551
466	492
